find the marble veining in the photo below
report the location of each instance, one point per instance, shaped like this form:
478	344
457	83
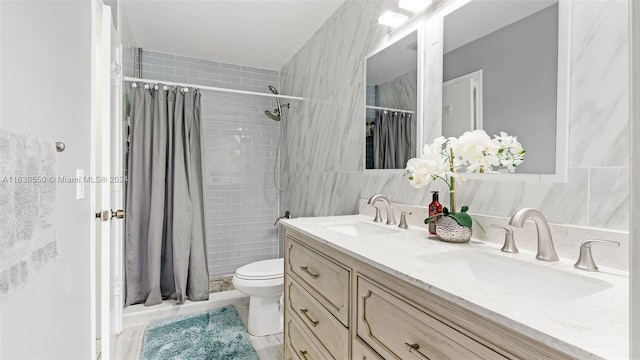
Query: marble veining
325	136
599	84
325	133
593	326
566	238
399	93
321	194
609	198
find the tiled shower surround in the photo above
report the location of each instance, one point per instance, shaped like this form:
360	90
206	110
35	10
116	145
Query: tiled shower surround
240	145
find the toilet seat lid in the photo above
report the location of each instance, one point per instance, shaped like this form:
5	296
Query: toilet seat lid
262	270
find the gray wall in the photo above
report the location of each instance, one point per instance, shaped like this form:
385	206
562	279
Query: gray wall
519	76
326	151
46	92
240	144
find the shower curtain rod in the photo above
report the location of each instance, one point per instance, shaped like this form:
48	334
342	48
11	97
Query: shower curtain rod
389	109
211	88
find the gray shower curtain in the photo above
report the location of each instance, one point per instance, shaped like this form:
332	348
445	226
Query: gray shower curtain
165	249
393	140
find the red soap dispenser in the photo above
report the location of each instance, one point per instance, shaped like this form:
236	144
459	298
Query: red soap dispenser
434	208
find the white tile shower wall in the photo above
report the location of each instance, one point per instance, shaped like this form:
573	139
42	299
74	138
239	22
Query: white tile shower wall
325	155
240	145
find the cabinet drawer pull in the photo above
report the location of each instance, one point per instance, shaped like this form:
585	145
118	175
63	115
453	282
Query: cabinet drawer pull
413	348
314	323
303	353
306	269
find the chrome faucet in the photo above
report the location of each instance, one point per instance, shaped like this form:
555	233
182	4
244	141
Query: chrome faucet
585	260
403	220
546	251
509	243
391	219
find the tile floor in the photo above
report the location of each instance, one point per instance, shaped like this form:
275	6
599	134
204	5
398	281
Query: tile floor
129	342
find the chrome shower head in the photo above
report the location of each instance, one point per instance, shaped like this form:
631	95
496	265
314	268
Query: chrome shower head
273	115
273	89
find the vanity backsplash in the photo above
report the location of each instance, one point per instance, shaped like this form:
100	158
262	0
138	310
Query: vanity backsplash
566	238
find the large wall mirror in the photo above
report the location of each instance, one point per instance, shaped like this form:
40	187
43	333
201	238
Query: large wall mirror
505	67
391	109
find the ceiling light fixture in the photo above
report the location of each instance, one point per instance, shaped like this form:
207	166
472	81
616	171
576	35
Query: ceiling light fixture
392	19
414	5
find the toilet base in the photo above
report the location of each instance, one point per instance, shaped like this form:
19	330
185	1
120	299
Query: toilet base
264	315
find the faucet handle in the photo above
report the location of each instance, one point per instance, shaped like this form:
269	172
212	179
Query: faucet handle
585	260
403	220
509	243
378	217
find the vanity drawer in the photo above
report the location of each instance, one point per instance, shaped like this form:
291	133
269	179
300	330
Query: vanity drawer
312	315
398	330
300	344
288	353
326	280
362	351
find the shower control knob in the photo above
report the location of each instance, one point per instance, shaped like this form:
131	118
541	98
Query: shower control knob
118	214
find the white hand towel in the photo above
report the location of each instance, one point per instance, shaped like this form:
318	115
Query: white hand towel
27	209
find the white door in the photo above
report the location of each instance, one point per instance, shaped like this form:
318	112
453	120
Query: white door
107	172
115	253
462	104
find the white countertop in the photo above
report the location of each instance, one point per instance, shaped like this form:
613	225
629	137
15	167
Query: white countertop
595	326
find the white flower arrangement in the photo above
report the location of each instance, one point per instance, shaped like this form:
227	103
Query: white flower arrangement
474	150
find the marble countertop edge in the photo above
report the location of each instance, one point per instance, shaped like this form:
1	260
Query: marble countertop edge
540	327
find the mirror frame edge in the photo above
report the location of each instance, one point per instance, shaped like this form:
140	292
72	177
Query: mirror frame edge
387	41
435	26
634	180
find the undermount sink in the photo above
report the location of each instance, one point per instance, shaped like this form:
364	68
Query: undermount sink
537	282
359	228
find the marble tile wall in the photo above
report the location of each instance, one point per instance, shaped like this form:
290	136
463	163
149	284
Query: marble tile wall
566	238
324	166
240	144
399	93
325	137
128	46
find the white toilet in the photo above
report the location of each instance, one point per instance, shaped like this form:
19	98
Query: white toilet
263	281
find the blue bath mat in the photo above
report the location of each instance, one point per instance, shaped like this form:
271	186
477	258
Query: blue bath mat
218	335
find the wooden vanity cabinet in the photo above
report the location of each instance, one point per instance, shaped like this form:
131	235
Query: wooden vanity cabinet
338	307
